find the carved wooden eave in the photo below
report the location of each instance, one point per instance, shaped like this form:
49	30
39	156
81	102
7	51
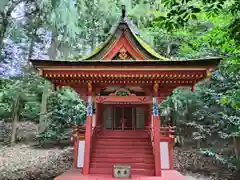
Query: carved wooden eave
144	71
123	99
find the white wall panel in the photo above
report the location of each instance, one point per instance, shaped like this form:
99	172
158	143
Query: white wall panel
164	153
81	149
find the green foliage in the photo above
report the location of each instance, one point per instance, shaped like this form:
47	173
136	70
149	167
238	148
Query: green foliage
177	29
208	33
179	13
232	163
65	109
31	110
28	87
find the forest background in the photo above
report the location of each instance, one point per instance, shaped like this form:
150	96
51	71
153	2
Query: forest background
71	29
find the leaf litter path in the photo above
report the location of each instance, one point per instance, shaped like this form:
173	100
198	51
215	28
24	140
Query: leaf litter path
26	162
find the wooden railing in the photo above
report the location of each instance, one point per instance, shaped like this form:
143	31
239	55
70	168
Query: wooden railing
167	131
78	133
93	137
151	135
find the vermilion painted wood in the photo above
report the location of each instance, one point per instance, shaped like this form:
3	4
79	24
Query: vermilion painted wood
167	85
118	151
75	157
156	126
138	70
75	174
122	142
133	165
124	99
118	134
123	42
121	155
116	160
114	149
88	134
139	172
103	106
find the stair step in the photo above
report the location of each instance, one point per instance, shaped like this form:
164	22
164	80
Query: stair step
116	137
133	165
123	160
120	150
119	130
131	147
146	172
130	143
122	147
122	155
123	140
123	132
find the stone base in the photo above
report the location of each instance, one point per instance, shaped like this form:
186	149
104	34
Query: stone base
75	174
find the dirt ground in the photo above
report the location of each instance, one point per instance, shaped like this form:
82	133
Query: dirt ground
27	162
24	162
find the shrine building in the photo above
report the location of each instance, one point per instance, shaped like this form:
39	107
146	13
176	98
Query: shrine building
123	81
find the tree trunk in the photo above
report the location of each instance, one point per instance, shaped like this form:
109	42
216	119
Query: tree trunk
34	34
52	50
5	15
30	52
43	111
93	35
2	133
3	31
15	116
199	143
236	142
169	49
33	38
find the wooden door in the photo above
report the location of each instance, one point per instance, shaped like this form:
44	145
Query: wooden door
108	118
140	118
117	118
128	116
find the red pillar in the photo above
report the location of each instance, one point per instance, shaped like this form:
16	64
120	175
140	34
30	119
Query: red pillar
156	129
156	132
88	131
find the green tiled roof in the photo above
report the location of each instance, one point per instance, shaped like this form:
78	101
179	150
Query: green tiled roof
149	49
133	30
98	48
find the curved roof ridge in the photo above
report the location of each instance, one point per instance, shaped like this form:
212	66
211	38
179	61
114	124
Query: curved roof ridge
136	35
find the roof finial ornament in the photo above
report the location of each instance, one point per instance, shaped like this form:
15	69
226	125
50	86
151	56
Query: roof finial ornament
123	12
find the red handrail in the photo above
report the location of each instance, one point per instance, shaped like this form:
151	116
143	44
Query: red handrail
78	132
167	131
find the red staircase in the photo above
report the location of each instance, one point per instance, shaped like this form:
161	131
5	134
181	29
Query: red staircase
131	147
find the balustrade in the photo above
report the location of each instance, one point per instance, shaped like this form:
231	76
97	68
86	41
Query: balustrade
167	131
78	132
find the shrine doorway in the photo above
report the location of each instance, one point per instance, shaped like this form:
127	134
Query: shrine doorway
134	117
